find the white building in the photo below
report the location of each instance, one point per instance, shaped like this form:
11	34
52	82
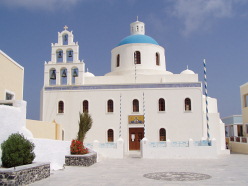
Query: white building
244	107
233	125
138	98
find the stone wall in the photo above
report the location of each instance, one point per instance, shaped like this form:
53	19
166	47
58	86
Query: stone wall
81	160
25	174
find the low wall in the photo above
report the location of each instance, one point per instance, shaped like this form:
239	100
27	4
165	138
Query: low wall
24	174
237	144
52	151
238	147
172	150
85	160
109	150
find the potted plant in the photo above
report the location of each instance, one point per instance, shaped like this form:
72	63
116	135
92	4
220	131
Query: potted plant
80	155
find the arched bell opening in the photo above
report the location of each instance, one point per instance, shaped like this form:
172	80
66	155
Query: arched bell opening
69	55
59	56
52	76
63	76
65	39
74	75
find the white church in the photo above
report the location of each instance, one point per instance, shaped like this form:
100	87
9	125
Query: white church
139	99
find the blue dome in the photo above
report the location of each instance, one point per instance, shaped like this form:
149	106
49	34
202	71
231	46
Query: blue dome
137	39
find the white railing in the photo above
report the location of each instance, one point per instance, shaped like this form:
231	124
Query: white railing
108	150
157	144
108	145
179	149
177	143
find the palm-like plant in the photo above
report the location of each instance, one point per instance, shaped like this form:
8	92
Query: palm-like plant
85	123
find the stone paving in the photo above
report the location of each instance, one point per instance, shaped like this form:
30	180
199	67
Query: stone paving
225	170
177	176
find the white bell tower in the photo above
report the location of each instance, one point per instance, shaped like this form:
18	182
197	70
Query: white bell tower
65	68
137	27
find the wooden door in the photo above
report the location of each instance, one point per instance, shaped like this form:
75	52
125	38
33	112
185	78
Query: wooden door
135	136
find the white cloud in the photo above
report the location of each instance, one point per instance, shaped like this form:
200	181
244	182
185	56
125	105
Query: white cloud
40	4
199	14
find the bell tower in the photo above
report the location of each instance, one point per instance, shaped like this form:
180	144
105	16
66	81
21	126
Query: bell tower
65	68
137	27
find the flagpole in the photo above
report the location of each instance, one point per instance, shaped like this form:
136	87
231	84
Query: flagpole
206	97
120	117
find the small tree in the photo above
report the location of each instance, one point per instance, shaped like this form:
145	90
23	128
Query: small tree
85	124
17	150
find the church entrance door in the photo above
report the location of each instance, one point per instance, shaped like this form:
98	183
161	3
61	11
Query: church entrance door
135	136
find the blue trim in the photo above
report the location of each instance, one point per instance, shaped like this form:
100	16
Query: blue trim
134	86
138	39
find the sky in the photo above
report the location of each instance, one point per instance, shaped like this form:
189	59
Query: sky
189	30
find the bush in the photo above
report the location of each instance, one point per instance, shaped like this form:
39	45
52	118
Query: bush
77	147
16	151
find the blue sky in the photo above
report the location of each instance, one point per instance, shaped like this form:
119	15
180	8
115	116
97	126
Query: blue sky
190	30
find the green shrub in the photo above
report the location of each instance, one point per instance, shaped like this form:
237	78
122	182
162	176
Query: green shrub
16	151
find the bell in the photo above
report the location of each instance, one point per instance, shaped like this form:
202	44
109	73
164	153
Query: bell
75	74
64	74
59	54
53	75
70	54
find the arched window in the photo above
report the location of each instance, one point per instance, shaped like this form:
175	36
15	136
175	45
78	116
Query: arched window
137	57
246	100
110	106
63	76
59	55
157	59
187	103
162	134
61	107
65	39
118	60
52	77
135	105
161	104
85	106
110	135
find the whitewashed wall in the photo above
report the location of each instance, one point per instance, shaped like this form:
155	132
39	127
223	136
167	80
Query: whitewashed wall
13	120
109	150
53	151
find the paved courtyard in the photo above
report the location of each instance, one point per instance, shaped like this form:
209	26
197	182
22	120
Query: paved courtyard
226	170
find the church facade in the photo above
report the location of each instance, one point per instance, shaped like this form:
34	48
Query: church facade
138	99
